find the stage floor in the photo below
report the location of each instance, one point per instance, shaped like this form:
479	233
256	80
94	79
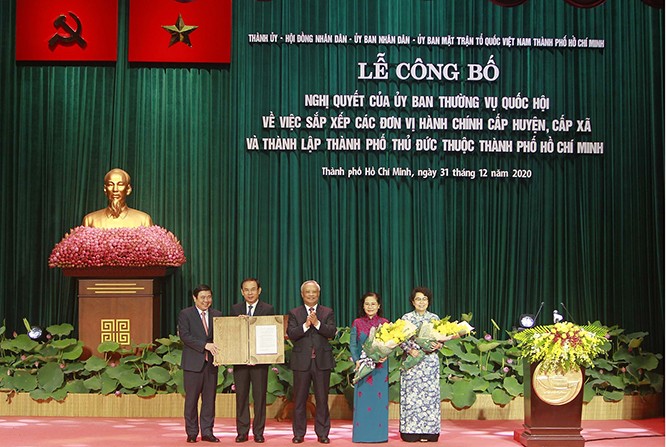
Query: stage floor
160	432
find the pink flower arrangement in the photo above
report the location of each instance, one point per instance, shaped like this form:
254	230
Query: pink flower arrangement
126	247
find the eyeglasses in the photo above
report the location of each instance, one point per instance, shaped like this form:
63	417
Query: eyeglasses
421	298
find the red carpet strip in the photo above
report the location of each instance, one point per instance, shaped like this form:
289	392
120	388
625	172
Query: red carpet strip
161	432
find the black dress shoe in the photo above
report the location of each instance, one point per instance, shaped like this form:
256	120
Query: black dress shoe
259	438
192	438
297	439
241	438
324	440
209	438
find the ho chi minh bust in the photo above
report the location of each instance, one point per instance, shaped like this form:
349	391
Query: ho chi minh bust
117	214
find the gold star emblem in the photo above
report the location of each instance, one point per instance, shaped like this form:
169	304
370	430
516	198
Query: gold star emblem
180	32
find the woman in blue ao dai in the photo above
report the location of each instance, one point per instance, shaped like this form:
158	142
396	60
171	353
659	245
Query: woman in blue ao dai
420	411
370	423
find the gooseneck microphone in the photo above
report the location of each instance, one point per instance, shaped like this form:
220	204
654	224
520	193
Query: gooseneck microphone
567	311
538	311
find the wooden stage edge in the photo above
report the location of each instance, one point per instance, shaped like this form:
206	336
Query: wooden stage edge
171	405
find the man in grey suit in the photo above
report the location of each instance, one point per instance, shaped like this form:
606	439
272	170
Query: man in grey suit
309	328
195	328
257	375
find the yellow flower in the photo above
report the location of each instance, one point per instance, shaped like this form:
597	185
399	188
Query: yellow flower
562	346
445	327
397	332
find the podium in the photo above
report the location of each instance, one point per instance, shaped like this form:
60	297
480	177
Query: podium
120	304
553	409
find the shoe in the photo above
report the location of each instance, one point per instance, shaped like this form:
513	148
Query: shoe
241	438
209	438
259	438
297	439
324	440
191	438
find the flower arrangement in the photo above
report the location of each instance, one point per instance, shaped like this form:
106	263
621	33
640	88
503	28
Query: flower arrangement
562	347
381	342
126	247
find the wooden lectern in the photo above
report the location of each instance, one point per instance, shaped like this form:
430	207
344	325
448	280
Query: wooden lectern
553	409
120	304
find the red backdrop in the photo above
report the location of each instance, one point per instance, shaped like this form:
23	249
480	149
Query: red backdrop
35	27
149	42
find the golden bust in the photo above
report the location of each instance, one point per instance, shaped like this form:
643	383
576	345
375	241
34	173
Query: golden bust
117	214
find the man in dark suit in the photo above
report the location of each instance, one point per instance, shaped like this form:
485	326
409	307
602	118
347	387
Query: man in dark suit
309	328
257	375
195	328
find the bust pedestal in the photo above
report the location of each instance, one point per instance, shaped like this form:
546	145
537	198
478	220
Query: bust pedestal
120	304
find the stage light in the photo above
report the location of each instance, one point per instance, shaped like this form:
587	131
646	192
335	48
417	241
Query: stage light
36	333
526	321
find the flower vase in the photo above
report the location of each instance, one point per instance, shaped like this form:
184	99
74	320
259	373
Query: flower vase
553	408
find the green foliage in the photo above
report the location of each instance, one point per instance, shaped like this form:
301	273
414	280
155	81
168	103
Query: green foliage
469	366
480	365
343	373
624	368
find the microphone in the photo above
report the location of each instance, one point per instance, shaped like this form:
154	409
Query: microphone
539	311
567	311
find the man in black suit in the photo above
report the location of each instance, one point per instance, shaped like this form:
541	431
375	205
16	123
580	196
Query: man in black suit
195	328
257	375
309	328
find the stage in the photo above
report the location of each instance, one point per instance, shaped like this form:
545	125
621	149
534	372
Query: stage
159	432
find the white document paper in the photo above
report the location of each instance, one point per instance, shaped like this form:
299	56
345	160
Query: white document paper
266	340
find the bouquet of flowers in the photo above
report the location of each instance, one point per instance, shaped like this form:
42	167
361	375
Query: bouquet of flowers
440	331
431	332
381	342
127	247
562	347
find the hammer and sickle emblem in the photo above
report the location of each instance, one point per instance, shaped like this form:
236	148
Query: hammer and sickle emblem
72	37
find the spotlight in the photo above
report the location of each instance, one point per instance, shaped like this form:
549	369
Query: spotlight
36	333
526	321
